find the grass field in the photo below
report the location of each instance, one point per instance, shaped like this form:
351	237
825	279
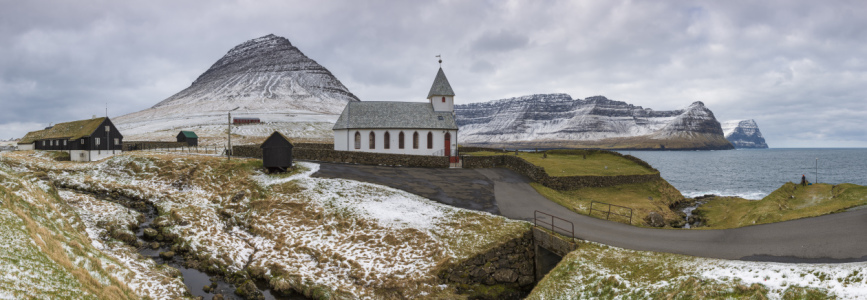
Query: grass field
596	271
574	163
789	202
643	198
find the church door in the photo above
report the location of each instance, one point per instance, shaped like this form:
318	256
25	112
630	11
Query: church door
448	145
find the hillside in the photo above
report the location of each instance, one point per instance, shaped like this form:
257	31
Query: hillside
558	121
744	134
266	77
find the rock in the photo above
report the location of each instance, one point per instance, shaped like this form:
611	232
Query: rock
525	268
218	297
206	288
526	280
183	222
238	197
248	290
167	254
150	233
155	245
655	219
505	275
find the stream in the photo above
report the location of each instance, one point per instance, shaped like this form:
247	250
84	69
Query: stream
195	280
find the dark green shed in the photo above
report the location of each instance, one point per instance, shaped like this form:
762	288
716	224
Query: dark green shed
189	137
277	153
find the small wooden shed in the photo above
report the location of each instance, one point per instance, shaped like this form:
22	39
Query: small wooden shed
188	137
277	153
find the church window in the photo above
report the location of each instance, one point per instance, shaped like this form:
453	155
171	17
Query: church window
372	140
444	99
357	140
415	140
386	140
400	140
430	140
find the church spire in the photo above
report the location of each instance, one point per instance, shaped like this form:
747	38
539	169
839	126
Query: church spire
441	86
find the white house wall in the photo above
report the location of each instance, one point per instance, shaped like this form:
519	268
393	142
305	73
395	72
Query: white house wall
344	140
23	147
91	155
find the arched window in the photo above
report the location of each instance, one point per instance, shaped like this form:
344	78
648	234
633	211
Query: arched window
357	140
386	140
400	140
444	99
372	140
415	140
430	140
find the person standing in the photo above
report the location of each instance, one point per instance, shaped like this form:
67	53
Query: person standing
803	180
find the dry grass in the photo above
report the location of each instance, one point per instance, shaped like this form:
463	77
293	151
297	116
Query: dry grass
789	202
643	198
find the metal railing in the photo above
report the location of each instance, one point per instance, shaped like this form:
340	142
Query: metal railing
541	217
608	212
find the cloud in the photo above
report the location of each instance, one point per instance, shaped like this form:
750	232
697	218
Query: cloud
796	67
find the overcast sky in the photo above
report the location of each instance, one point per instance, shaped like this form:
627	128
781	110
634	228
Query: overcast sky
799	68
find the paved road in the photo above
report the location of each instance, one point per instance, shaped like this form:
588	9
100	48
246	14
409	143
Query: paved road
832	238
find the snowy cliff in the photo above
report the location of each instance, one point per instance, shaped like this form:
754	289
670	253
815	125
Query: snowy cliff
558	121
744	134
266	77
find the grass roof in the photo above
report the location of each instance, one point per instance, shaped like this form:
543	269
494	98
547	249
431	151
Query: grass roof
73	130
33	136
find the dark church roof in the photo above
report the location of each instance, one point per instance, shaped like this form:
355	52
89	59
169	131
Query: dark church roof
397	115
441	86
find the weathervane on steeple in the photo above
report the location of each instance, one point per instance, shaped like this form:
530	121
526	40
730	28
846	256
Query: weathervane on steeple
441	60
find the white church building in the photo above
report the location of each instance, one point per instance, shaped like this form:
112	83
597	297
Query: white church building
414	128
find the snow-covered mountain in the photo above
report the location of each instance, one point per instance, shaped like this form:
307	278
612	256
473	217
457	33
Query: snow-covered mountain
744	134
558	121
265	77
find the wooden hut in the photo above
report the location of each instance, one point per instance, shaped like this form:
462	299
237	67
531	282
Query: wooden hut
277	153
188	137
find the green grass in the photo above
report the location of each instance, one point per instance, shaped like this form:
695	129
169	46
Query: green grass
579	163
643	198
789	202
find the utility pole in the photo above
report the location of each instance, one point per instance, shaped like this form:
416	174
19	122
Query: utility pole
817	170
229	150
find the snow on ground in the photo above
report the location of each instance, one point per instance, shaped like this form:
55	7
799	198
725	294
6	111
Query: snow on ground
319	236
139	273
51	248
600	271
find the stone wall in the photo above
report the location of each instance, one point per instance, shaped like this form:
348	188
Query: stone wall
510	264
144	145
564	183
321	153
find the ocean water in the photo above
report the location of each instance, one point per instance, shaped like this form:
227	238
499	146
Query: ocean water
754	173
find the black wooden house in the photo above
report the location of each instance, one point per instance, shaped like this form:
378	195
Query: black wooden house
188	137
277	153
84	140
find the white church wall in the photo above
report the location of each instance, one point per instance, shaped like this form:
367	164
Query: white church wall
438	147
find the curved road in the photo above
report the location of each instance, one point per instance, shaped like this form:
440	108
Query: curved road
831	238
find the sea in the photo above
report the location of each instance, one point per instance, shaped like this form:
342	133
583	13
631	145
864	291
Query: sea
755	173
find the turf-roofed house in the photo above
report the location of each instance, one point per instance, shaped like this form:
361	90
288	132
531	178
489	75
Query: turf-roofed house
414	128
84	140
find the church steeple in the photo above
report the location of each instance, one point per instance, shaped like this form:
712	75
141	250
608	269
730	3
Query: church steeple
441	95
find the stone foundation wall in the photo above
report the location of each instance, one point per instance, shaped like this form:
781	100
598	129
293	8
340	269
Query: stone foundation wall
144	145
565	183
510	264
321	153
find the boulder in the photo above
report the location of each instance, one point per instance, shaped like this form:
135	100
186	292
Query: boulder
167	254
505	275
655	219
150	233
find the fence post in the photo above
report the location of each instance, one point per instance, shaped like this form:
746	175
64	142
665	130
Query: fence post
609	212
